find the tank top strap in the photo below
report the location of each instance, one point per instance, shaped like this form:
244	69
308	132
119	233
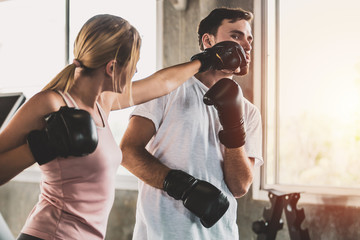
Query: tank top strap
102	115
70	102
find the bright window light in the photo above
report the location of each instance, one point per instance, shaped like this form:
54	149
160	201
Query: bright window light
32	44
312	95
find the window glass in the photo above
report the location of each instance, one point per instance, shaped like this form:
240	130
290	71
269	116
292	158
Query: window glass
313	117
32	44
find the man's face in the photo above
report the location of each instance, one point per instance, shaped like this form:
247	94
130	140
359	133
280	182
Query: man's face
240	32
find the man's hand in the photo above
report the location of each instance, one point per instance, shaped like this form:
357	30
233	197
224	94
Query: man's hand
227	98
200	197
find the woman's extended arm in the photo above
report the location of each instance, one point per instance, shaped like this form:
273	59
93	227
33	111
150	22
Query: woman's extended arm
163	82
156	85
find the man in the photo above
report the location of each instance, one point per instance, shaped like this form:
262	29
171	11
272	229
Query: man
194	158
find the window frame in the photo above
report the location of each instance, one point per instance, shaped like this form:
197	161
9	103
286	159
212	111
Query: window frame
337	196
122	181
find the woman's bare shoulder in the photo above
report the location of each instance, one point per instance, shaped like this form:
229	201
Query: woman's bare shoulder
46	101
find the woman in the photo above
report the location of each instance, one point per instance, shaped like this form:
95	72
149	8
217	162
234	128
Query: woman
74	147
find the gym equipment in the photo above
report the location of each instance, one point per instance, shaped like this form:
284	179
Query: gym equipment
266	229
9	103
5	233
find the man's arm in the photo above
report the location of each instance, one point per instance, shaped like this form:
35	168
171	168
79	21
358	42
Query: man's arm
135	156
227	98
238	171
200	197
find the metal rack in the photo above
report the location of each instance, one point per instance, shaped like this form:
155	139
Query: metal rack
267	228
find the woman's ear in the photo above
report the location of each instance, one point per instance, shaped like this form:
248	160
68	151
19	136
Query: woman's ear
110	66
208	40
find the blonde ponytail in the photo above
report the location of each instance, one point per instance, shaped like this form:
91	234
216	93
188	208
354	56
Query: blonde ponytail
63	81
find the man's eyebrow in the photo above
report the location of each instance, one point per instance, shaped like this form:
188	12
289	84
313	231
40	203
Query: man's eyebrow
238	32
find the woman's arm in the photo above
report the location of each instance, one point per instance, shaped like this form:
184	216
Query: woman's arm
158	84
15	154
14	162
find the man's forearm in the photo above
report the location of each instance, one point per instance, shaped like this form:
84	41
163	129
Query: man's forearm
145	166
238	171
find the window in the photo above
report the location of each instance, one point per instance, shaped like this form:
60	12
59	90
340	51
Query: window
33	49
310	96
32	44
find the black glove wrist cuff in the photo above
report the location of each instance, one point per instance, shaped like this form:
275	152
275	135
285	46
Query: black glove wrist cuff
202	58
177	183
39	147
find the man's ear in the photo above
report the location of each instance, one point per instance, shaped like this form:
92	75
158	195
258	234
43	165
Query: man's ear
110	66
208	40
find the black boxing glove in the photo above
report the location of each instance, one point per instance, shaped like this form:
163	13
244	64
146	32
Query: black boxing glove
227	98
223	55
200	197
68	132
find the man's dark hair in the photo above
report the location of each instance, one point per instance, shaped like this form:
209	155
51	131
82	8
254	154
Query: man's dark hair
211	23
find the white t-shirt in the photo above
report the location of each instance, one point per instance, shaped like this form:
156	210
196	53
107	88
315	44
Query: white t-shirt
187	139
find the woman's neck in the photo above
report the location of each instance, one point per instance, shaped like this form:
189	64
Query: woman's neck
87	89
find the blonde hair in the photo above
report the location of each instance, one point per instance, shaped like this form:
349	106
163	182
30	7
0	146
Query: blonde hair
102	38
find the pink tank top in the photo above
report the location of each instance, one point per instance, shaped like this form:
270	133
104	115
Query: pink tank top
77	193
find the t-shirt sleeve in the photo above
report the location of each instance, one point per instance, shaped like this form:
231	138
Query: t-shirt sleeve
152	110
253	141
